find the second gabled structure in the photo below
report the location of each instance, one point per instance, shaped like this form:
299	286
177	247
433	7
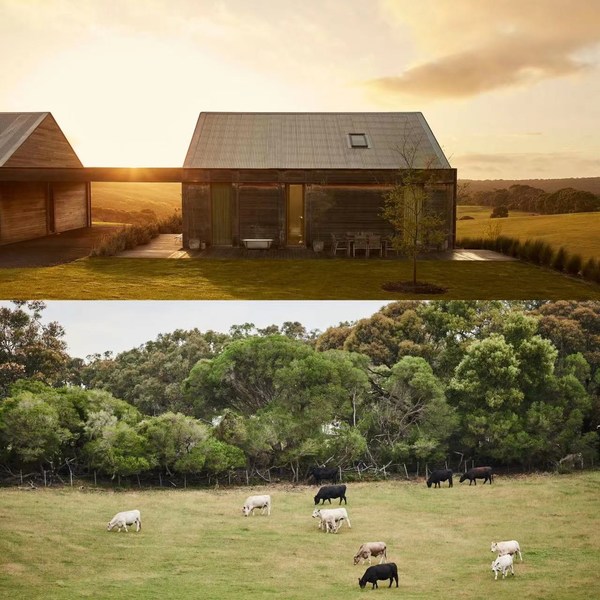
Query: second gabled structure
297	177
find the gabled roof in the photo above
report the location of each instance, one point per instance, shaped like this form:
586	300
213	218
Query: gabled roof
312	141
15	128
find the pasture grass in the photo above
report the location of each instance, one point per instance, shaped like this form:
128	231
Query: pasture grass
196	543
577	232
327	279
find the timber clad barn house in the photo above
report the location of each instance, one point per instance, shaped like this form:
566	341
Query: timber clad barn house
30	209
297	177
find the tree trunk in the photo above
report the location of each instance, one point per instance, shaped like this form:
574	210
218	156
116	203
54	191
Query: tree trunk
415	270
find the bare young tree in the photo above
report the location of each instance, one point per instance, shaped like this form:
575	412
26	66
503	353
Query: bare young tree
418	229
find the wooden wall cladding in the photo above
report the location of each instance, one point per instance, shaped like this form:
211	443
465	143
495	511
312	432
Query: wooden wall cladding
196	212
260	208
70	206
22	211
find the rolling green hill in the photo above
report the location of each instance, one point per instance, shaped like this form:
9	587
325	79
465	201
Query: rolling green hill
577	232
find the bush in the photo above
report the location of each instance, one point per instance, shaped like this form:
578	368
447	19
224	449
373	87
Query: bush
591	270
172	224
574	264
125	239
466	218
499	212
560	260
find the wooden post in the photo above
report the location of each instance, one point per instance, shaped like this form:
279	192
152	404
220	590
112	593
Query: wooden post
44	470
21	476
95	481
405	469
247	478
160	478
426	471
417	468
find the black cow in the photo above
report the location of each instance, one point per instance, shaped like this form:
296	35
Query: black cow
476	473
378	572
320	473
327	492
438	476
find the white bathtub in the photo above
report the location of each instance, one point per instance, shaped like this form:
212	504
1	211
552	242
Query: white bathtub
257	243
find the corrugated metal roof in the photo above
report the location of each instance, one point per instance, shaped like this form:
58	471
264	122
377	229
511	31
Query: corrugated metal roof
312	141
15	128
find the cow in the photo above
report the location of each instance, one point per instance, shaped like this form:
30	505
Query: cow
127	517
379	572
475	473
327	514
511	547
438	476
570	461
327	492
252	502
502	564
320	473
371	549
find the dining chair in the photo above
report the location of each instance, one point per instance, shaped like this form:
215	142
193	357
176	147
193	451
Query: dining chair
375	244
360	243
339	243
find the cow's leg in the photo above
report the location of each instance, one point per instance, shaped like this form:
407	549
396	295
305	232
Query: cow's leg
495	575
512	570
348	521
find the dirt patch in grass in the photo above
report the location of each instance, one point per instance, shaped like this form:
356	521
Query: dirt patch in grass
409	287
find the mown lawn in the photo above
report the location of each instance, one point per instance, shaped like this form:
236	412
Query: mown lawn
196	544
577	232
136	279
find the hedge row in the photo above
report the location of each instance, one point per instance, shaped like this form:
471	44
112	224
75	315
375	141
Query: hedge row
539	253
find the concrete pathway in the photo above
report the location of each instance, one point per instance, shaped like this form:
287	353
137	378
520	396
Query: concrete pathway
166	245
169	246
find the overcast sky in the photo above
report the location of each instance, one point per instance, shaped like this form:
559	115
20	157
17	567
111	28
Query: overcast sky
509	87
97	326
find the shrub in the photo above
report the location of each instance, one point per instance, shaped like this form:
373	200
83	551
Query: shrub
574	264
499	212
172	224
560	259
466	218
125	239
591	270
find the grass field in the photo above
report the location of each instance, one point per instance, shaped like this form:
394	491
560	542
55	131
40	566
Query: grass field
158	279
162	198
577	232
196	544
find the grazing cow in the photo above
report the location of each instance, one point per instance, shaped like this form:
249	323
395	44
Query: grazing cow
127	517
511	547
379	572
252	502
327	492
326	514
371	549
502	564
476	473
570	461
332	523
438	476
320	473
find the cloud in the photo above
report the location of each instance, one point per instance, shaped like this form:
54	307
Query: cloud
526	165
477	47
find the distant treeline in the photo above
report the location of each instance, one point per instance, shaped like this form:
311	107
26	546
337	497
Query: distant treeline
531	199
587	184
509	384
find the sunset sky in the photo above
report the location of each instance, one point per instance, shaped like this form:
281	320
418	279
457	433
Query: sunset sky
511	88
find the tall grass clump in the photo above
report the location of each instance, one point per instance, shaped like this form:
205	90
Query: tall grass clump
591	270
574	264
171	224
560	260
126	238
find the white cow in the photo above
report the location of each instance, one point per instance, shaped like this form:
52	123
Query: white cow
511	547
371	549
327	515
122	519
252	502
502	564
